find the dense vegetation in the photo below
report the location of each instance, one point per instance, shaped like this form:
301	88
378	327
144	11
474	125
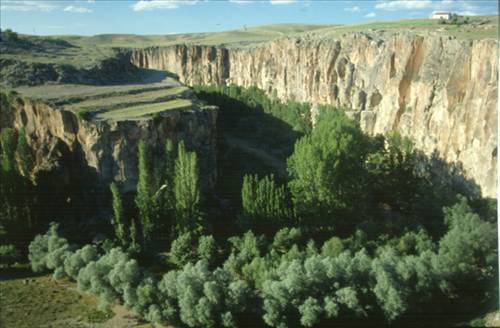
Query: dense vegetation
353	230
18	222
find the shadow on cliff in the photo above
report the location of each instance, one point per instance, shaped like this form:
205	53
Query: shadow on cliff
249	141
254	141
70	192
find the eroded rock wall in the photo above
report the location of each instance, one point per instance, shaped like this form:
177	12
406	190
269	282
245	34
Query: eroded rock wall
440	91
107	150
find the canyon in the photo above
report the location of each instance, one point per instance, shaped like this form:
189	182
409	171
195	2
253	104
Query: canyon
68	147
439	91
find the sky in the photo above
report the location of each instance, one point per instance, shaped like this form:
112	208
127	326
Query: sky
90	17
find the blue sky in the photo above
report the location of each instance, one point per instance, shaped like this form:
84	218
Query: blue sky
88	17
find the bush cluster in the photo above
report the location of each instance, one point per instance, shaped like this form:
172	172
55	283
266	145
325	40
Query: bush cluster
284	280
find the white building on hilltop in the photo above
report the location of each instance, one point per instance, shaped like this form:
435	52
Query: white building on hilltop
441	14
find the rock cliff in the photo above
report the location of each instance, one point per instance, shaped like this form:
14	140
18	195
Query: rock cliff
107	150
440	91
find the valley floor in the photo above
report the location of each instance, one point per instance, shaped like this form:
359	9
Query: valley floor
40	301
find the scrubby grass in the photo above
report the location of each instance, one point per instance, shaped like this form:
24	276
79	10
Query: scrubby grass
135	112
480	27
43	302
77	92
81	51
232	37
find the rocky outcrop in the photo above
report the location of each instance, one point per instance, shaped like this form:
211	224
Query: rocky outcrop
115	69
107	150
440	91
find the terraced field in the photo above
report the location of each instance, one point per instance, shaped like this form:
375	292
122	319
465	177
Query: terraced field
115	102
144	111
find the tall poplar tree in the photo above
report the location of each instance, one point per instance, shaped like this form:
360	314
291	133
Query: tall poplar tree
169	193
118	218
265	204
143	198
186	189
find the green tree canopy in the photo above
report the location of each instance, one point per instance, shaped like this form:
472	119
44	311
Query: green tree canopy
265	204
327	168
187	192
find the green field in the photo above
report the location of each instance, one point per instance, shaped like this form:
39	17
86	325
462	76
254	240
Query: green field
67	93
143	111
116	101
43	302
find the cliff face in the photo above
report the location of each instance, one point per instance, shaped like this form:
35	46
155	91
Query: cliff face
441	92
107	150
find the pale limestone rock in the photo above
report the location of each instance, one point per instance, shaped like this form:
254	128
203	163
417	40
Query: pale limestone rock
439	91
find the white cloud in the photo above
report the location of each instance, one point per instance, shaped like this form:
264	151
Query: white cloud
241	2
354	9
371	15
469	13
394	5
17	5
77	9
462	7
282	2
144	5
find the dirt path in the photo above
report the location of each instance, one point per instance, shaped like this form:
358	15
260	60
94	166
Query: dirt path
269	159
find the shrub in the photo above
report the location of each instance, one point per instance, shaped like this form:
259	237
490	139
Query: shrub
109	276
182	250
10	36
9	254
207	249
79	259
48	251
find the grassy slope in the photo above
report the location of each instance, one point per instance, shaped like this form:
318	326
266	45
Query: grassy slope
44	302
115	101
144	110
61	93
120	99
480	27
87	51
41	301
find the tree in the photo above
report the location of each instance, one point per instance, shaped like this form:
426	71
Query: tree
265	204
207	249
143	200
170	156
167	201
182	249
16	217
392	172
8	142
326	169
467	254
24	154
187	193
10	35
9	254
118	217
